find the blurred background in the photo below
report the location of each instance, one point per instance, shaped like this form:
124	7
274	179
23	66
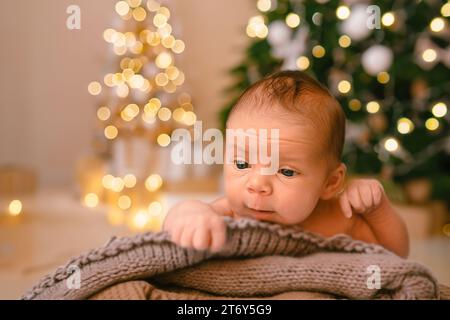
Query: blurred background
92	91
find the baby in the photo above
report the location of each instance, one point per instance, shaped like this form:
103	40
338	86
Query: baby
308	188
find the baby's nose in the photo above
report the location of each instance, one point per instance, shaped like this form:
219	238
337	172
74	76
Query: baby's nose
259	184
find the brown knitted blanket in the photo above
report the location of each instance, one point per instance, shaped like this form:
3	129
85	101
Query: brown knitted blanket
260	260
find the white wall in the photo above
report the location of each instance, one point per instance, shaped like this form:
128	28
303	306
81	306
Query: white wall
47	118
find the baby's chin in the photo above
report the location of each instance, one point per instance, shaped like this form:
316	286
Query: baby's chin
268	216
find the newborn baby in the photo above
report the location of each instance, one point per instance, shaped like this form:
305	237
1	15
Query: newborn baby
308	189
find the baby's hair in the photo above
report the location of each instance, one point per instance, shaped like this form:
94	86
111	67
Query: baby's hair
299	94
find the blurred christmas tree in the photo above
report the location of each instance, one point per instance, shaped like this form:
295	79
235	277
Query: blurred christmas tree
140	106
388	64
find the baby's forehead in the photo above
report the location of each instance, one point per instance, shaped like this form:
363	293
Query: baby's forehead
294	141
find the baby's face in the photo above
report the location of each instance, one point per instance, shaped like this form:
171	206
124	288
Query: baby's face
290	195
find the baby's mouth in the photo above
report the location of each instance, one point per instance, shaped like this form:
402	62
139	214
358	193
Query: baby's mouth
259	211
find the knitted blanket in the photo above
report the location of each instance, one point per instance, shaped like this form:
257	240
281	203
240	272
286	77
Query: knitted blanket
260	260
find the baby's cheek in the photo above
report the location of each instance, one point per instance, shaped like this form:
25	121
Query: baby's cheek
296	209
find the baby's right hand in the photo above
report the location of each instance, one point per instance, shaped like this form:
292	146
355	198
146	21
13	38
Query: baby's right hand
194	224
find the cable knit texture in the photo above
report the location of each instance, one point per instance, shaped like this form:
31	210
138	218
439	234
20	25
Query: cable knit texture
260	260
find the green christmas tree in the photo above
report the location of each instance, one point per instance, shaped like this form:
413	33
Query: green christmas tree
387	62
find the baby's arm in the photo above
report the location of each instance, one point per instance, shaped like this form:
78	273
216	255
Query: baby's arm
376	220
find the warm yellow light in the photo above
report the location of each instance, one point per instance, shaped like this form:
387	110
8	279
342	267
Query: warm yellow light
164	11
153	39
165	31
163	140
345	41
354	105
95	88
437	24
153	182
141	219
373	107
344	86
383	77
439	110
429	55
170	87
124	202
111	132
128	74
404	125
122	91
15	207
153	5
139	14
303	63
137	81
91	200
178	46
129	180
129	112
264	5
108	35
257	28
149	118
178	114
130	39
318	51
117	184
164	114
172	72
134	3
118	39
432	124
391	144
146	87
120	51
159	20
155	208
137	48
189	118
103	113
179	80
445	10
161	79
109	80
118	79
293	20
122	8
388	19
107	181
168	42
342	12
163	60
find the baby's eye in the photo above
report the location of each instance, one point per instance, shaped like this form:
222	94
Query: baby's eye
241	165
287	172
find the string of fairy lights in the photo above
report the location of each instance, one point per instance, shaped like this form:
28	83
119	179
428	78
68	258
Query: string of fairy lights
259	28
146	57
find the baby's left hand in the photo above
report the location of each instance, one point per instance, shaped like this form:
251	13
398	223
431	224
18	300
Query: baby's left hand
361	196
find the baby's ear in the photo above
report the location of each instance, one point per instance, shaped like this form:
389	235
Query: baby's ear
335	182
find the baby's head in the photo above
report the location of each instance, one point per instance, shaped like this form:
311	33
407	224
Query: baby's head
311	127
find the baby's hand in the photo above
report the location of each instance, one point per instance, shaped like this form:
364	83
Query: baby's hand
361	196
194	224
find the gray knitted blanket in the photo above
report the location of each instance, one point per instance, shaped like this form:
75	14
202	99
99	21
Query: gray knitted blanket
260	259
